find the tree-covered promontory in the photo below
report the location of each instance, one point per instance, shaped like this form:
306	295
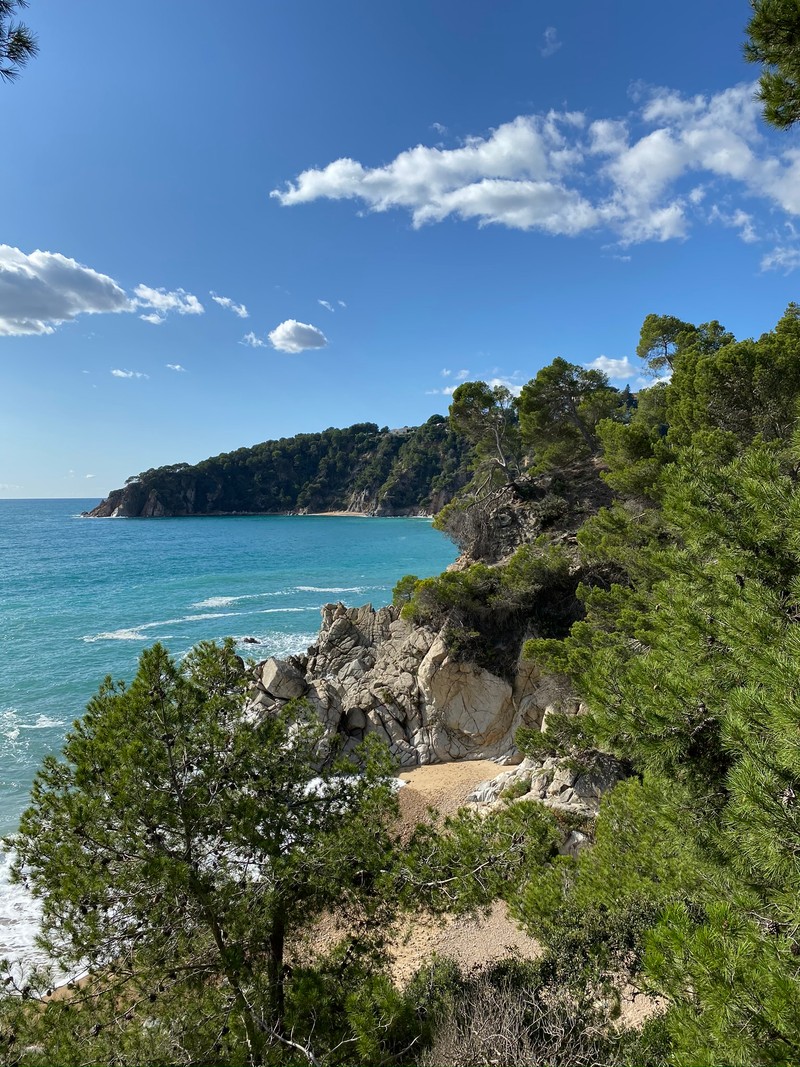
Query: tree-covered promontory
361	468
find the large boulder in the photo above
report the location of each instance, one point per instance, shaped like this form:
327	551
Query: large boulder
282	681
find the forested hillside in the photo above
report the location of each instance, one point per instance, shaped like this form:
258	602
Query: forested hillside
361	468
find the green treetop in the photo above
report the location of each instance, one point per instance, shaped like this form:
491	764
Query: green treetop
17	43
774	41
176	845
560	409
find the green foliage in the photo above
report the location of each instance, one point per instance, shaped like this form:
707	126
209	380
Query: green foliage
176	846
473	860
486	416
689	664
742	389
409	471
560	409
486	610
661	338
774	42
403	591
635	451
17	43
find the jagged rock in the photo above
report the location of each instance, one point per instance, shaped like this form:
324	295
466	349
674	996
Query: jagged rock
556	783
281	680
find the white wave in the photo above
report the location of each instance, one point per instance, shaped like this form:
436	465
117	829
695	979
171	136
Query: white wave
198	618
336	588
115	635
282	644
217	602
19	919
281	611
225	601
43	722
136	633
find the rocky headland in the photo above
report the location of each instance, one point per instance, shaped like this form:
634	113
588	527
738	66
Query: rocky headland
411	470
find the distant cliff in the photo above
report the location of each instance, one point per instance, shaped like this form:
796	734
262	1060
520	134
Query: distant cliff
361	468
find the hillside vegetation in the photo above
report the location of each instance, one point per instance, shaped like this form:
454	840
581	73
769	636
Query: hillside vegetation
362	468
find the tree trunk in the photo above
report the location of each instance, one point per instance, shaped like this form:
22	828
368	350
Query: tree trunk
275	970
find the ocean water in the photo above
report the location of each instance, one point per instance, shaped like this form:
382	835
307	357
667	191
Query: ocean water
80	599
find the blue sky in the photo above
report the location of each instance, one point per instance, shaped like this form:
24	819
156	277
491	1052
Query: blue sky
227	223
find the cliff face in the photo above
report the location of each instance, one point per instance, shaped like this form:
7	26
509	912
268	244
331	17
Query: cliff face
381	472
371	671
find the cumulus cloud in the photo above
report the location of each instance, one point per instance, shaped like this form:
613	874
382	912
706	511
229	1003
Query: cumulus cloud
293	336
41	290
739	220
226	302
785	259
641	178
129	374
162	301
514	387
551	42
153	318
447	391
177	367
252	341
617	369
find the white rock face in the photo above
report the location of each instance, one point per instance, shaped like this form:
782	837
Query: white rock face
371	671
556	783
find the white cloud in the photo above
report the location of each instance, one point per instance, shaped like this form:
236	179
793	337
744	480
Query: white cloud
462	375
440	129
515	388
327	305
446	373
176	366
153	318
252	341
784	259
447	391
551	42
293	336
641	178
6	487
163	301
129	374
41	290
341	303
90	475
617	369
738	220
226	302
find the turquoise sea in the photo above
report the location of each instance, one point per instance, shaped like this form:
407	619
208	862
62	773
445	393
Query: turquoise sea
80	598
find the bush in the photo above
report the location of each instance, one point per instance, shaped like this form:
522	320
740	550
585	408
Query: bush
519	1026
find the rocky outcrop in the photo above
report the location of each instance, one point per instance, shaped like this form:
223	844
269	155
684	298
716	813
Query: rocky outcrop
490	527
556	782
372	672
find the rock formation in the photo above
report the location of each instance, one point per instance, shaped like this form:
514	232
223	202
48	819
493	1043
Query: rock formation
371	671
